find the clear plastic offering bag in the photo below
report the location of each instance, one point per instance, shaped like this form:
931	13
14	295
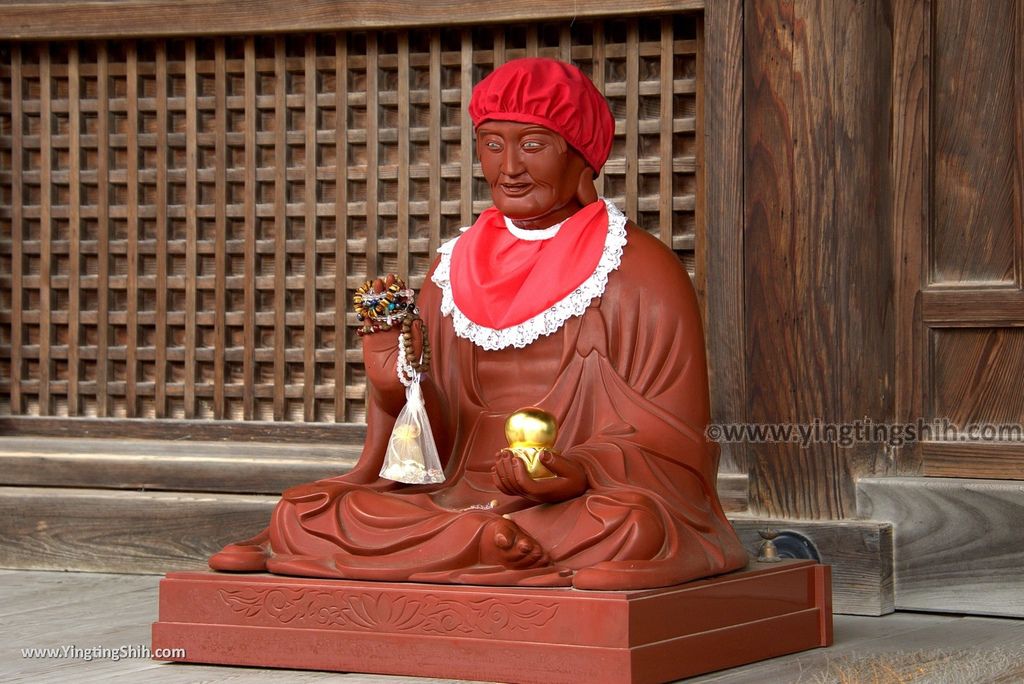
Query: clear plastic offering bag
412	455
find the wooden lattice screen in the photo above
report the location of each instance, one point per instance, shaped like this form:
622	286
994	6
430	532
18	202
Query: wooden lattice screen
179	219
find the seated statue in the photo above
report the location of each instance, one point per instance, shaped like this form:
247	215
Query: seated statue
554	300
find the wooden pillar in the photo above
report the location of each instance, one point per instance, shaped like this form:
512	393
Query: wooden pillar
817	243
720	253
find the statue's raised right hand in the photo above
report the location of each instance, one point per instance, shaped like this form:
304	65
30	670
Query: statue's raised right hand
380	357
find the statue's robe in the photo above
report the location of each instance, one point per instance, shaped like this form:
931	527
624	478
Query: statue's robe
627	382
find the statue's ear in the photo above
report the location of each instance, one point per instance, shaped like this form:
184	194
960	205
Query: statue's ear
585	190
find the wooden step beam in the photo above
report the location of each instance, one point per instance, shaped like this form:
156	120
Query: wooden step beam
248	467
183	430
101	530
187	466
859	551
958	546
94	530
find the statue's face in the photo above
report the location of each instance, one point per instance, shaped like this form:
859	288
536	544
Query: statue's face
533	173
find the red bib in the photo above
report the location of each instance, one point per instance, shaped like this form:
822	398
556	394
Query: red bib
499	280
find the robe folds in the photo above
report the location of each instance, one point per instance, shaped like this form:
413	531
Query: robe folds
627	382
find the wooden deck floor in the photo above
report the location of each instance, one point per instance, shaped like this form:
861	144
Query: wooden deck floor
53	609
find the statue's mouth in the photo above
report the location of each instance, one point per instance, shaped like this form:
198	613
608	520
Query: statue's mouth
516	189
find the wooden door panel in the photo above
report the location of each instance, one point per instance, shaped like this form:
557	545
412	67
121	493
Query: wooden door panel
977	375
975	129
970	324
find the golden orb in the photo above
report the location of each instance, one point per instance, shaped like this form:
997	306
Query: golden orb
531	427
530	431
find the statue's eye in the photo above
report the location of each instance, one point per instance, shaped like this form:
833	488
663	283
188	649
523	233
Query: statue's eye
493	145
532	145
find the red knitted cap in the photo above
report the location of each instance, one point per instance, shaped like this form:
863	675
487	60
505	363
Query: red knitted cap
552	94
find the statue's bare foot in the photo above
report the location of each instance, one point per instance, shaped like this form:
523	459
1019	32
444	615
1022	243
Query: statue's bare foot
245	556
505	544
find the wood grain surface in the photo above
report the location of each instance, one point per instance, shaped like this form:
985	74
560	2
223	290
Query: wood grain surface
720	254
56	20
120	530
859	551
865	360
249	467
999	460
971	306
733	491
817	243
911	209
957	164
974	136
957	542
233	430
900	647
90	530
976	375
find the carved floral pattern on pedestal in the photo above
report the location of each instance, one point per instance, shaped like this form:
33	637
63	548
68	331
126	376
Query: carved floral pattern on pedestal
389	612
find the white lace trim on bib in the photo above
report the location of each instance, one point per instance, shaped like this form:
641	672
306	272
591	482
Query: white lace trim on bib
533	235
547	321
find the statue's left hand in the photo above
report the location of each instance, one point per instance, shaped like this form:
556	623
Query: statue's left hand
511	478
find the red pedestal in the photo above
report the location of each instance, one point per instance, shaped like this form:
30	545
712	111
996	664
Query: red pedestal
497	633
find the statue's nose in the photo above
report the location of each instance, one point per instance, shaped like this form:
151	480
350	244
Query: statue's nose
512	162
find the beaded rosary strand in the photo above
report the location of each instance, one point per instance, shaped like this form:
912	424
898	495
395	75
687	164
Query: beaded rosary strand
409	368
